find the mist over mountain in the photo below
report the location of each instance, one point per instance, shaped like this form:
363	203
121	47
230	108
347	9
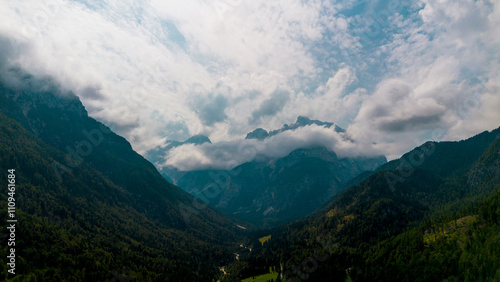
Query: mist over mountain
225	140
394	73
99	205
275	187
156	155
432	214
271	192
259	145
261	134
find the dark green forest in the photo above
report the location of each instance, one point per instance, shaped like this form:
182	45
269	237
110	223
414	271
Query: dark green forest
89	208
96	215
433	218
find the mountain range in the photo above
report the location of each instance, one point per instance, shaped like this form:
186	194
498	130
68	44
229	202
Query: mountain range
262	134
431	215
271	191
89	208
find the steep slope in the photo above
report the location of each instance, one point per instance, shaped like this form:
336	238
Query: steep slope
89	205
428	187
271	192
61	121
460	243
459	155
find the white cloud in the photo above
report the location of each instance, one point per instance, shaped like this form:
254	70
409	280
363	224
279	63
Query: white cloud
226	155
157	70
441	62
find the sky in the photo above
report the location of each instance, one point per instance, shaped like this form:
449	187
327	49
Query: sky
394	74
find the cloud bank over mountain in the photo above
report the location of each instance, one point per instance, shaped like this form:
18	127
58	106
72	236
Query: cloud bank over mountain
225	155
392	74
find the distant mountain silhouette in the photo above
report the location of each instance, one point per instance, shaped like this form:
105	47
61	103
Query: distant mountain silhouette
261	134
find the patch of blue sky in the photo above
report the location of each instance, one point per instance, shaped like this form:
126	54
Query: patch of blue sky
92	5
129	13
327	57
354	8
173	35
372	24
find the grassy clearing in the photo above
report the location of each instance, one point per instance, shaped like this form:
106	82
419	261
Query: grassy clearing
455	228
262	278
264	239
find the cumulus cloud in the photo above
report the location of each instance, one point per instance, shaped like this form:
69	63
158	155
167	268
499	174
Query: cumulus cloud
271	106
392	73
226	155
395	107
212	110
442	60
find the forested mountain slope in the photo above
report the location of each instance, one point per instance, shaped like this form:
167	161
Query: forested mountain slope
271	192
429	216
88	205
